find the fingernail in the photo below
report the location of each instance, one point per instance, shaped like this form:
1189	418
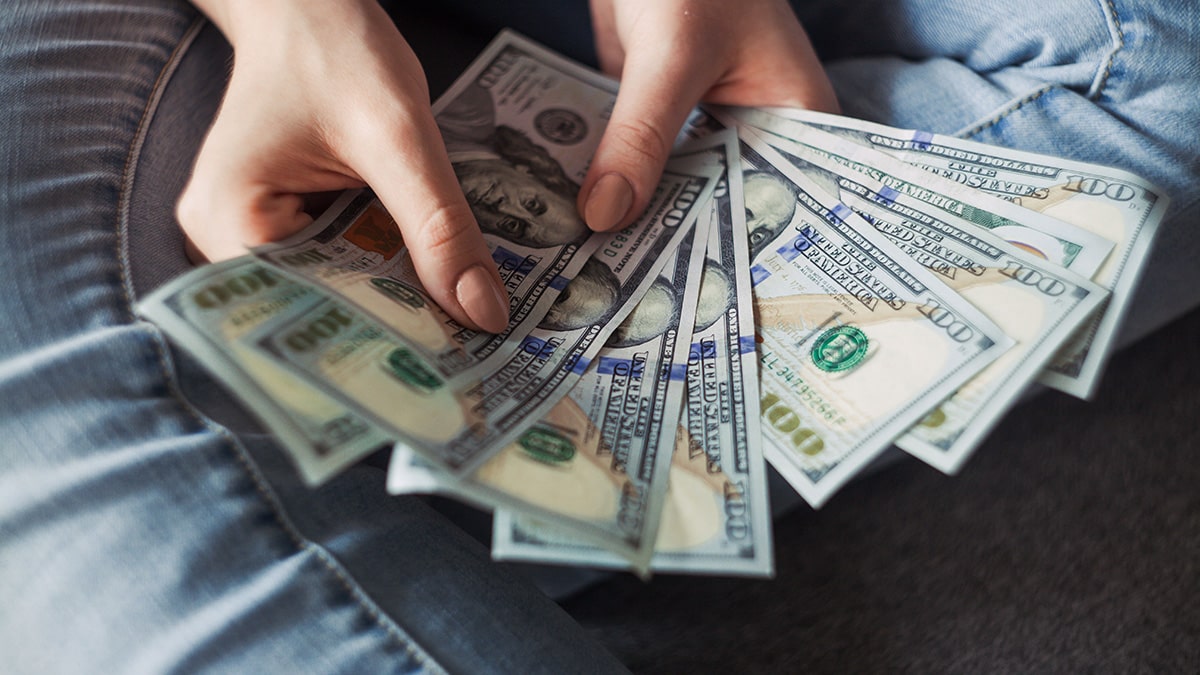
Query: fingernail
609	202
482	299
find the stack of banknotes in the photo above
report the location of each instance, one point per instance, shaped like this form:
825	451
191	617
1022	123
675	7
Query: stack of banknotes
803	289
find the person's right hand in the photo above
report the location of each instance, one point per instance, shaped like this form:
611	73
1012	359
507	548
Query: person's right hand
328	96
671	55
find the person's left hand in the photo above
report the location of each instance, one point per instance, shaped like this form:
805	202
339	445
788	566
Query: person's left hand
670	55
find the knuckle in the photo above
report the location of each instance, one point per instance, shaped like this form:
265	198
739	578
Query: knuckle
640	142
190	209
448	231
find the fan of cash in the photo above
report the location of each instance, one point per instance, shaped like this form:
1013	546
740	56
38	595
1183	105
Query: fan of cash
804	289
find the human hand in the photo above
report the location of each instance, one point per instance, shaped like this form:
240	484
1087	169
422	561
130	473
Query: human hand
670	55
328	96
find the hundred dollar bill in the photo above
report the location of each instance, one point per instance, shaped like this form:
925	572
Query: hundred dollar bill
209	310
521	126
1035	302
1111	203
1074	248
857	341
385	376
717	515
595	468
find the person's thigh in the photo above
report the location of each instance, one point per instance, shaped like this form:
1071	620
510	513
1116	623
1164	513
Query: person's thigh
137	532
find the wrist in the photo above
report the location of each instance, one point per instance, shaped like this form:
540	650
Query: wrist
256	19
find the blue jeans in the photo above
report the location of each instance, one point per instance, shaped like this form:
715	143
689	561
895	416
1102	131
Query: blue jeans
146	524
139	532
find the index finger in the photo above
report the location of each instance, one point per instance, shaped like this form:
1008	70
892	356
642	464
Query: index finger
409	170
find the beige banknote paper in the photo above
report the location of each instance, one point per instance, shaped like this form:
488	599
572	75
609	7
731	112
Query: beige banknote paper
856	341
1108	202
594	469
1074	248
209	310
717	514
1035	302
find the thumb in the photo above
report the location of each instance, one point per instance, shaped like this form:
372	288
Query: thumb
411	174
261	216
655	98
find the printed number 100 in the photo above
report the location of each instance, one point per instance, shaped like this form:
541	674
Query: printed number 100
785	420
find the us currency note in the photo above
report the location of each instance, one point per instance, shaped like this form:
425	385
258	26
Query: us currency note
384	374
1074	248
1111	203
1036	303
521	126
594	469
856	341
209	310
717	514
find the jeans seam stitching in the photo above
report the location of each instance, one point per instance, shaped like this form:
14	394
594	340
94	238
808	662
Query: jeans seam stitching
999	117
1093	94
1112	56
381	619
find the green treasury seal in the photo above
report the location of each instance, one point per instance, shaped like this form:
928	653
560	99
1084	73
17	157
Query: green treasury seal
840	349
398	291
407	368
547	446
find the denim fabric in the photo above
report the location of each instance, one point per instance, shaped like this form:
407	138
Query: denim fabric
136	533
146	524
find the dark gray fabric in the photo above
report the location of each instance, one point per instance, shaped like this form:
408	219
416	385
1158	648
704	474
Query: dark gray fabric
1069	543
